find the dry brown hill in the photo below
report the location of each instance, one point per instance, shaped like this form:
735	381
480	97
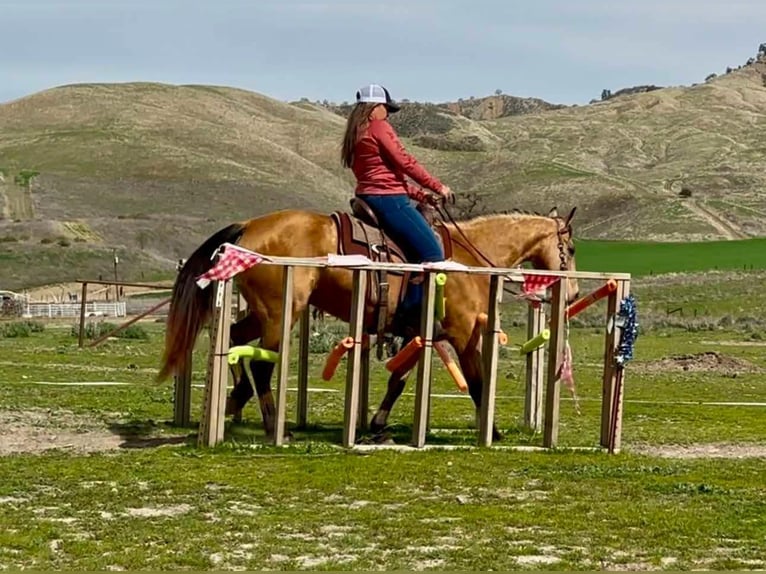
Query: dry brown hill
151	169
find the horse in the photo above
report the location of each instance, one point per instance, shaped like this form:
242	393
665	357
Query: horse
503	240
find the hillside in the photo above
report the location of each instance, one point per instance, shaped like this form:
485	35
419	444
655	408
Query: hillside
151	169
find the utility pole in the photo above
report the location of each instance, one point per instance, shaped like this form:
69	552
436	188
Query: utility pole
116	287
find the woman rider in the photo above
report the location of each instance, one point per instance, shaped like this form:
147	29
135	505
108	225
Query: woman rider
381	165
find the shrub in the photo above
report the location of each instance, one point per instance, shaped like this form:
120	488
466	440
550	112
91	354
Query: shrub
20	329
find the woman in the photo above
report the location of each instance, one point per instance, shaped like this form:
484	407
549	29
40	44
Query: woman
381	165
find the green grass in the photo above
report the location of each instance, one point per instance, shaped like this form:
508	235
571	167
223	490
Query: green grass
651	258
125	488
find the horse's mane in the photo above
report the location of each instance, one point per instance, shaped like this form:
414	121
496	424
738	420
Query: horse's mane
515	212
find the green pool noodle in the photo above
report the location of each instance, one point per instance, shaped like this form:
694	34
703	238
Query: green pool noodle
535	342
252	353
439	306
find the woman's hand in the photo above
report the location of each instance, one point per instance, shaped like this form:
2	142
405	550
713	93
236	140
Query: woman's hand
446	191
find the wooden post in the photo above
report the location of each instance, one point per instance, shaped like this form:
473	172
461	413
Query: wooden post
284	355
211	429
535	372
555	356
611	405
354	359
607	384
182	394
81	337
489	361
364	389
303	369
423	385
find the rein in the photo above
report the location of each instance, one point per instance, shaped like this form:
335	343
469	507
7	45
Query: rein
441	209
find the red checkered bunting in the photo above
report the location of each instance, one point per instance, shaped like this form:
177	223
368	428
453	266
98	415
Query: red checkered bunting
233	260
534	283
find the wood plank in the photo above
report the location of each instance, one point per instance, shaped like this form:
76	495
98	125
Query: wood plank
489	361
618	386
535	371
283	371
83	301
354	359
555	349
303	368
611	339
423	383
182	394
212	425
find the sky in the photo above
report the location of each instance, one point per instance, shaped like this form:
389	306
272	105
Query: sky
563	51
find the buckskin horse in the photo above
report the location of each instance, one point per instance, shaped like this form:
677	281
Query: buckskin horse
501	240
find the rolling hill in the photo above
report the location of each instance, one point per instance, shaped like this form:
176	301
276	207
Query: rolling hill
150	169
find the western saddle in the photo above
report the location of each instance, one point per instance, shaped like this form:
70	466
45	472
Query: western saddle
359	233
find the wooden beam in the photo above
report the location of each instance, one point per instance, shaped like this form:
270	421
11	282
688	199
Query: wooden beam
423	384
555	349
83	300
615	385
182	394
611	340
284	355
304	333
212	426
126	284
535	371
354	359
489	361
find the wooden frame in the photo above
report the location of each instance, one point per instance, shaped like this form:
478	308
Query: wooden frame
357	369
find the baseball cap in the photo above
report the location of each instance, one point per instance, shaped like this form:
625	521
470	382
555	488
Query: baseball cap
375	93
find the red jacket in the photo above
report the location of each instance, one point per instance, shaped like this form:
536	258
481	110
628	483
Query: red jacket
381	164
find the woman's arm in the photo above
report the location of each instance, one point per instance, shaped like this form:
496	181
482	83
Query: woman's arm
393	149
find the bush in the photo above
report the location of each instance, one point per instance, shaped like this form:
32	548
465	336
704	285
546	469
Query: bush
96	329
20	329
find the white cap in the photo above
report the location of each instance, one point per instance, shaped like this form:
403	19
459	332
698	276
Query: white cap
375	93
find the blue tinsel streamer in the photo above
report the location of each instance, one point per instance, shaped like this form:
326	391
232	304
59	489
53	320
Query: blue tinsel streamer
629	321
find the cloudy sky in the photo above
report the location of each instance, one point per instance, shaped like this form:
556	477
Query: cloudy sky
564	51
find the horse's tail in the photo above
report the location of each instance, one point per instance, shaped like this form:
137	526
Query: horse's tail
190	306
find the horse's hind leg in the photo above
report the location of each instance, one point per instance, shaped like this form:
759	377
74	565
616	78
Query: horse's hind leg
242	332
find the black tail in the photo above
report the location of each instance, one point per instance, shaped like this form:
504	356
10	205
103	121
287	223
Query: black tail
190	306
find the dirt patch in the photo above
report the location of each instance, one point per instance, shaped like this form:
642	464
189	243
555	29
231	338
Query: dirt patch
701	450
707	362
38	430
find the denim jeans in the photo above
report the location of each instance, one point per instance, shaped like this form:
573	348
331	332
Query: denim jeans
404	224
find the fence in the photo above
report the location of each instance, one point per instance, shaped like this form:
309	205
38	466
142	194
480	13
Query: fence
94	309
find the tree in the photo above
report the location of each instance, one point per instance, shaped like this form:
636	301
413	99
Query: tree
606	94
498	92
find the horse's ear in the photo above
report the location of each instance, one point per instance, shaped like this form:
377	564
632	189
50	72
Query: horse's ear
554	212
571	215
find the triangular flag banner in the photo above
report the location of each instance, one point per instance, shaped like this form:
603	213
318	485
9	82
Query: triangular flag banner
233	260
534	283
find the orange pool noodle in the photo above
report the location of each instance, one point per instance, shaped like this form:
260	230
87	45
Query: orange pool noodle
502	338
452	367
334	357
406	357
592	297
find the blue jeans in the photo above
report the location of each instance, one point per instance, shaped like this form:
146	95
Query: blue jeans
404	224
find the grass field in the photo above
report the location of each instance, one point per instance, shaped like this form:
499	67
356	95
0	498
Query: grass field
96	477
646	258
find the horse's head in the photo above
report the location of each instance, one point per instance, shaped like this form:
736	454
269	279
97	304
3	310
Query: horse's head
557	251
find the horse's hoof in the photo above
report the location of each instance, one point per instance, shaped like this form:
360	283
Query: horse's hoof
383	439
